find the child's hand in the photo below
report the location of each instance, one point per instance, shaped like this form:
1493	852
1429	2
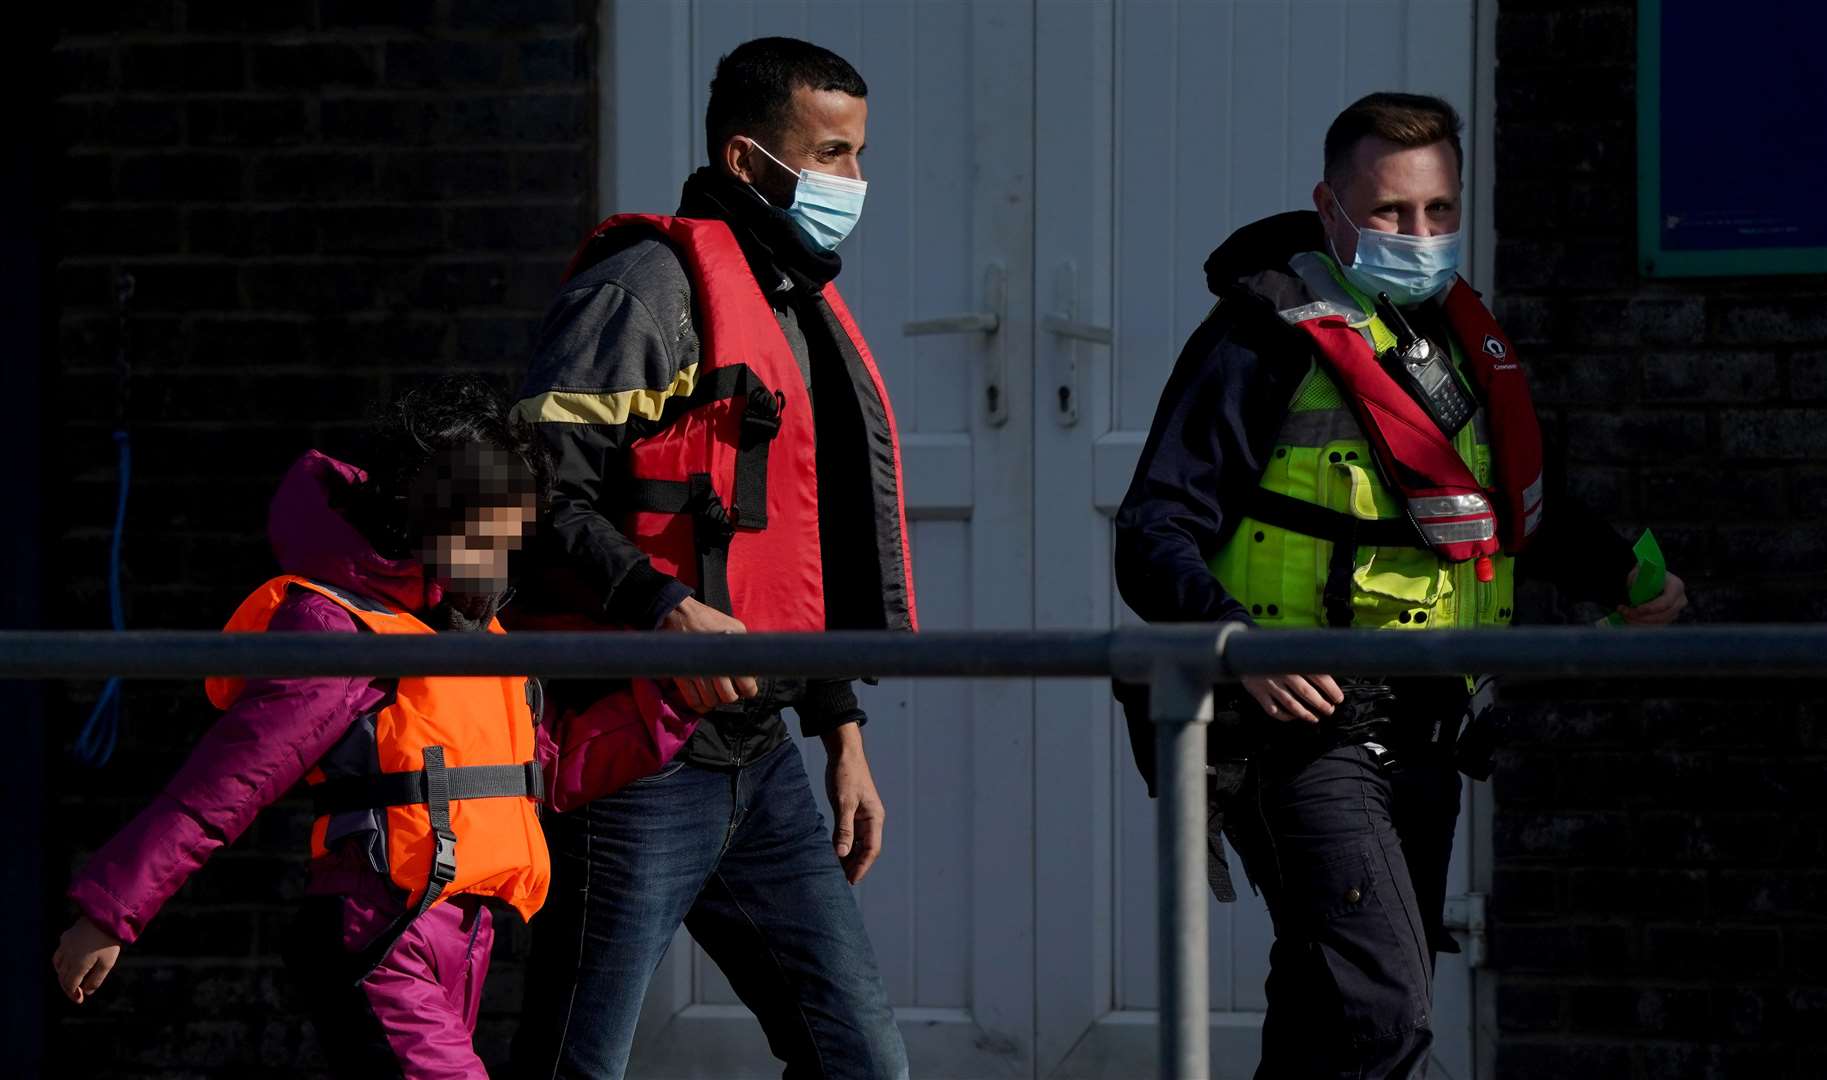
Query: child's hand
83	959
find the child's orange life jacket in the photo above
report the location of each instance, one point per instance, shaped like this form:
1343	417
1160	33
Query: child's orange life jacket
455	771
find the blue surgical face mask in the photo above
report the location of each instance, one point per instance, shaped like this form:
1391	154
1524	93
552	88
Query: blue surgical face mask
825	207
1409	268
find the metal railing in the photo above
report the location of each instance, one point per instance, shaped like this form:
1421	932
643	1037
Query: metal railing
1181	664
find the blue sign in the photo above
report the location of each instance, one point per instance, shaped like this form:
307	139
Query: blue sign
1732	137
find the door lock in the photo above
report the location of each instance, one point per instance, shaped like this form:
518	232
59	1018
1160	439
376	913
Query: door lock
1064	323
988	322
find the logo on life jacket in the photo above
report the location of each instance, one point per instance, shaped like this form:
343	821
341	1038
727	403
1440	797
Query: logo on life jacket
1496	348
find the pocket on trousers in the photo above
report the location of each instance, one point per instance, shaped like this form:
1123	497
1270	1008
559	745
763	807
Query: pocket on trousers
1340	884
1362	942
655	778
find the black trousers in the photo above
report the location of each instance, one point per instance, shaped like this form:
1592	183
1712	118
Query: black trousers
1351	855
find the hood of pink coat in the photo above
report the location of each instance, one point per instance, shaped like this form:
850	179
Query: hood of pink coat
311	537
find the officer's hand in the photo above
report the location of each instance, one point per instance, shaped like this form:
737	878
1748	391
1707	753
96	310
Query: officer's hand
1294	697
702	693
85	955
1663	609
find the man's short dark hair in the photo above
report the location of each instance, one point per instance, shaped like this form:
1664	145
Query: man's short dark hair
754	85
1408	120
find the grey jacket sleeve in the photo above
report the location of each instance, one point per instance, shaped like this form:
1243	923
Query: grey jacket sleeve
603	369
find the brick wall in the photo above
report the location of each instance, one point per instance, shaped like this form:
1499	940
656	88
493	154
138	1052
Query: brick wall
318	199
1659	903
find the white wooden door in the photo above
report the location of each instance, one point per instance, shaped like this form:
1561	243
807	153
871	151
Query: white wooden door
1161	126
1096	151
949	905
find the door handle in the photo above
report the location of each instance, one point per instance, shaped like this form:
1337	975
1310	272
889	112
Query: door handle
1064	323
1078	331
977	322
989	322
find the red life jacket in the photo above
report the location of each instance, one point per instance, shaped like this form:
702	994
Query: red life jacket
1457	517
725	496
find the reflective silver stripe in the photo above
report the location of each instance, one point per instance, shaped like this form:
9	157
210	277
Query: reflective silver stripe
1317	427
1317	277
1328	293
1439	506
1319	310
1458	532
1532	519
1532	495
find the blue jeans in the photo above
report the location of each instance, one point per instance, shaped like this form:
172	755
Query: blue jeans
742	858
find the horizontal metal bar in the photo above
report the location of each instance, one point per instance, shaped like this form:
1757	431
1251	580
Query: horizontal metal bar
195	654
1770	651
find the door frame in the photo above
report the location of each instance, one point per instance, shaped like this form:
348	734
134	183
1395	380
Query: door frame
1484	276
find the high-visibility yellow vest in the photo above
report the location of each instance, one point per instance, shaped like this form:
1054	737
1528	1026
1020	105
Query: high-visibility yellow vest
1321	457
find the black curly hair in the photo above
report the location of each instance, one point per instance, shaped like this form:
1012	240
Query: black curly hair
437	450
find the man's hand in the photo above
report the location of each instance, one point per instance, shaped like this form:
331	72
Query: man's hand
1294	697
856	835
1663	609
702	693
84	957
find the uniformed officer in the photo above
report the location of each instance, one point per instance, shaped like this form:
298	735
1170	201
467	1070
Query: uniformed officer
1348	441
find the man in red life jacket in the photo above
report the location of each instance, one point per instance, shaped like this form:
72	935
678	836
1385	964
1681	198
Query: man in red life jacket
726	461
1348	441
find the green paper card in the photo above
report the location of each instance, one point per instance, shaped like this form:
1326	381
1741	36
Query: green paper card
1652	573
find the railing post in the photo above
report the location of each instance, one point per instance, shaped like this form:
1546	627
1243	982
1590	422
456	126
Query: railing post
1180	704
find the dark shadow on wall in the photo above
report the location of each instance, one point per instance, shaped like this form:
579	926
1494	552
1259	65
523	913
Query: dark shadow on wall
25	319
320	201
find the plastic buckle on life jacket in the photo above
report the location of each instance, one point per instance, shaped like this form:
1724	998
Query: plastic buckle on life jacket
714	527
443	857
761	415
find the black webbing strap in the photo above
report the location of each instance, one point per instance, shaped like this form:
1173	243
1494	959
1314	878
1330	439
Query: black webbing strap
1345	532
713	525
443	860
711	533
657	496
1311	519
761	413
712	530
349	793
437	808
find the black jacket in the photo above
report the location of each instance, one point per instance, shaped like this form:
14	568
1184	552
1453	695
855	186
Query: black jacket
1216	424
628	323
